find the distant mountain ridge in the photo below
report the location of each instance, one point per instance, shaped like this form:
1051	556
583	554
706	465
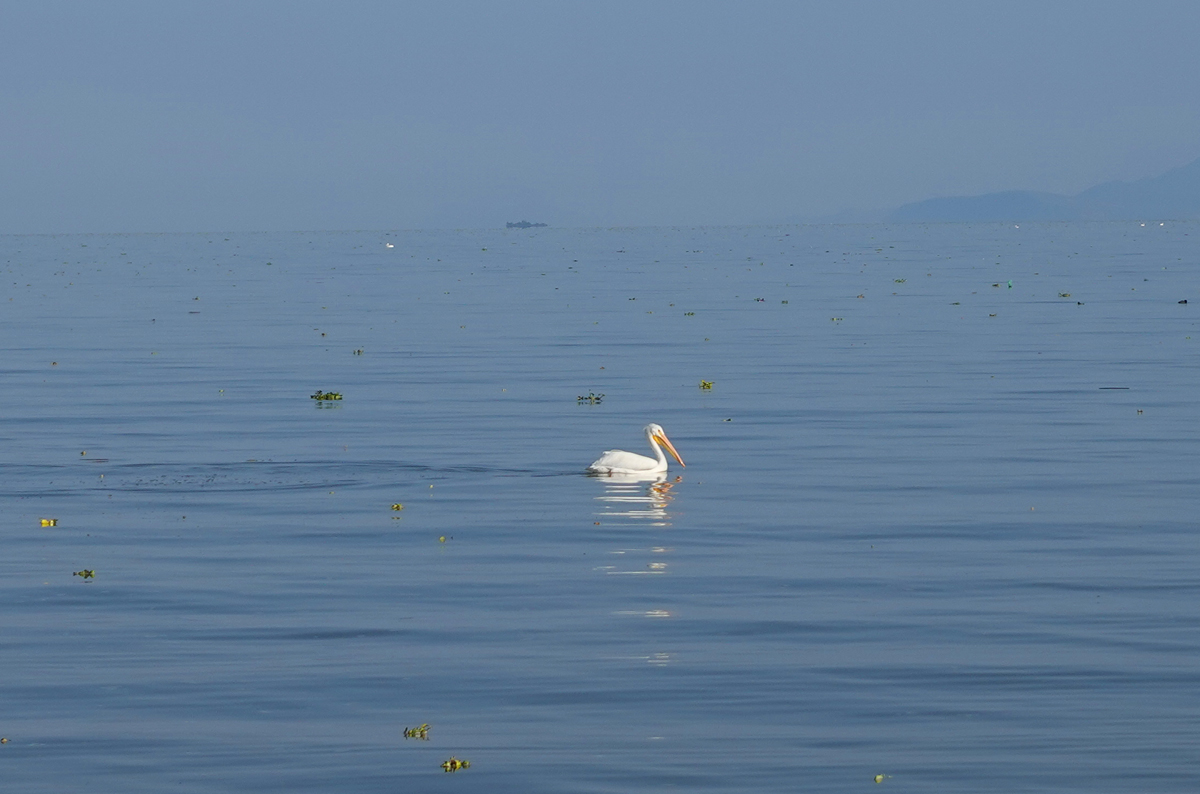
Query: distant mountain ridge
1174	195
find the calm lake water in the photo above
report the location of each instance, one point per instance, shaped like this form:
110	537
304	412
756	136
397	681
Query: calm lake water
938	520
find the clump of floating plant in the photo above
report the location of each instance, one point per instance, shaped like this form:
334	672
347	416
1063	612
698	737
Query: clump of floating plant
85	574
326	395
454	764
706	384
419	732
590	398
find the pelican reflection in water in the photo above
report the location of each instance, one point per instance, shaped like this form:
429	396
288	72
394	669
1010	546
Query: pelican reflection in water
638	498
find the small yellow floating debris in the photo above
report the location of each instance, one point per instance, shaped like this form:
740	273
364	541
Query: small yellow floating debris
328	395
3	740
881	778
589	398
706	384
49	522
454	764
1064	294
85	573
442	539
397	506
419	732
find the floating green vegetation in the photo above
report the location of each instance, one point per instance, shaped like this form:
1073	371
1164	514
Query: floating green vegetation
454	764
419	732
326	395
589	398
85	574
706	384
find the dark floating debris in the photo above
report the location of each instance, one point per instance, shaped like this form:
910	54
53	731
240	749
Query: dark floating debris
524	225
1183	301
85	574
1114	388
455	764
358	352
419	732
589	398
397	506
328	395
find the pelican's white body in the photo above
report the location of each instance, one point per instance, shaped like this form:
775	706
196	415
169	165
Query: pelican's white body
618	461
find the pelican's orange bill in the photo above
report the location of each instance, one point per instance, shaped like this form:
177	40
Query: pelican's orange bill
666	442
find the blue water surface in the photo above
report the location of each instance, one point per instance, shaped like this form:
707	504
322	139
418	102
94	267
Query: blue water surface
938	520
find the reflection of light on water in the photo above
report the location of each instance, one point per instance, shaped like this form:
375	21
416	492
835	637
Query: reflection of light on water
650	613
641	498
650	567
656	659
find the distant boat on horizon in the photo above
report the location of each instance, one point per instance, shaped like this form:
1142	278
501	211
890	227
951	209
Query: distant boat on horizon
524	225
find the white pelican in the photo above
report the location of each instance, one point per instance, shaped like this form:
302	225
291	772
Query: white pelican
389	245
618	461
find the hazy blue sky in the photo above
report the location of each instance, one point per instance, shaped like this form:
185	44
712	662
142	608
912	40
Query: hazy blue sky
171	116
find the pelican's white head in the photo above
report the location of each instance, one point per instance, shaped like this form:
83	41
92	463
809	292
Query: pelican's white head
657	435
